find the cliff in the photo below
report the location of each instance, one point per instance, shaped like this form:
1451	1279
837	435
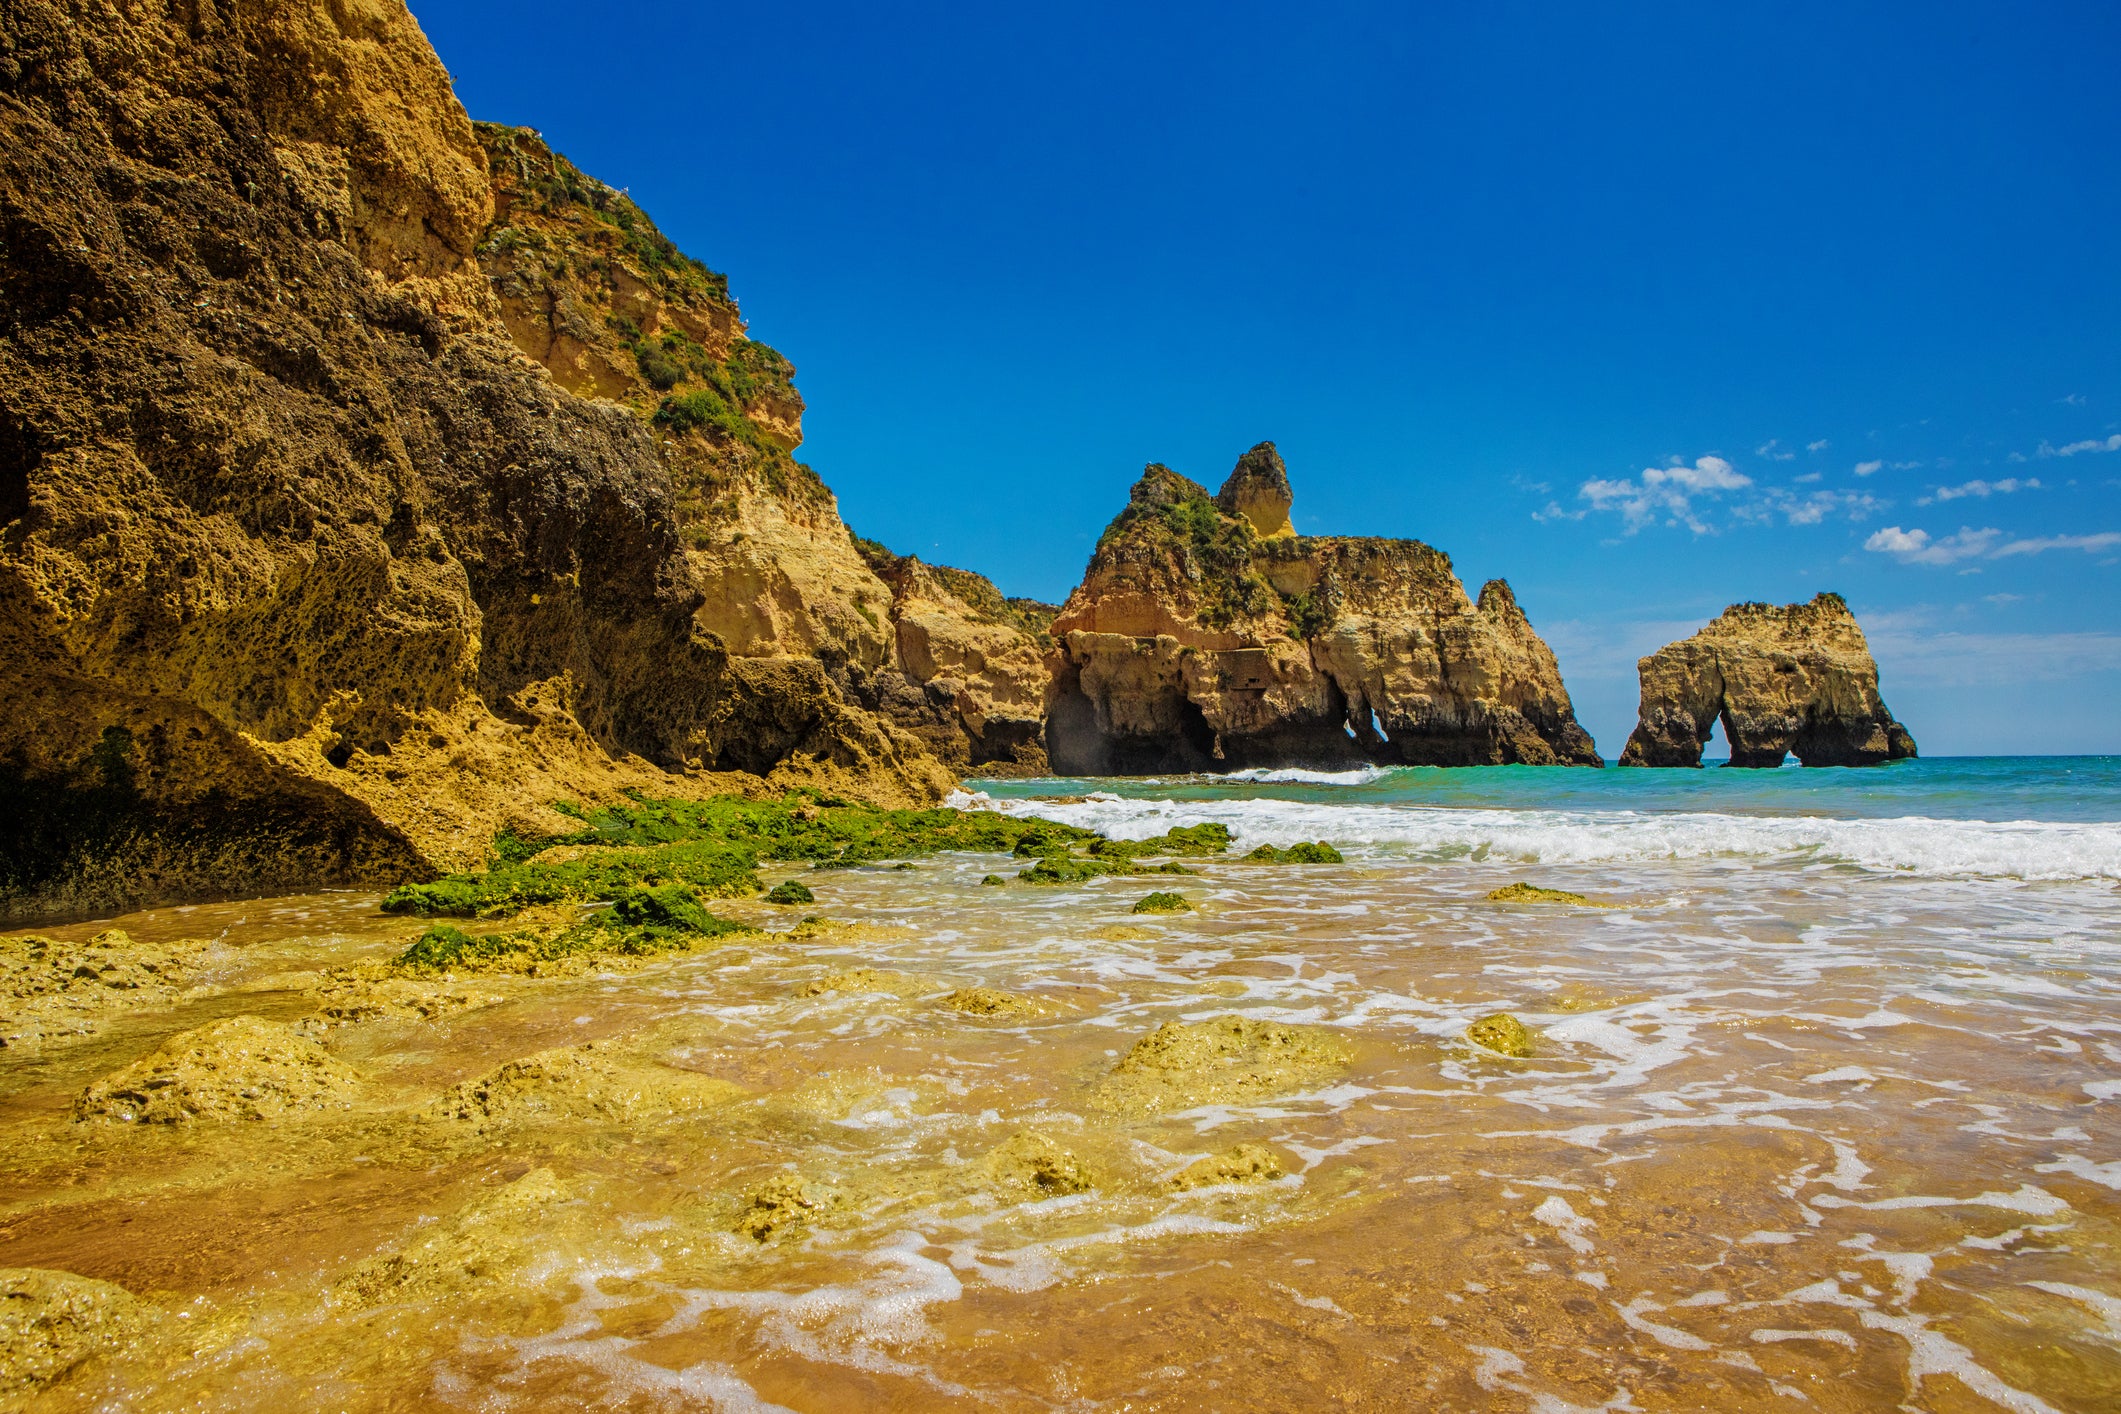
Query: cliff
368	478
1207	635
1795	678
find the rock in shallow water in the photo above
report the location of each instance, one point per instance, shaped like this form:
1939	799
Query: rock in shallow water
1226	1060
50	1322
1503	1034
242	1068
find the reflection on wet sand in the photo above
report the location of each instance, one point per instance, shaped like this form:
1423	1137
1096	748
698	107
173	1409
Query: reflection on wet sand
1786	1138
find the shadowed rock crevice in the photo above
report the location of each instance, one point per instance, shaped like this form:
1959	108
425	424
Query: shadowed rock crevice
1208	636
1798	678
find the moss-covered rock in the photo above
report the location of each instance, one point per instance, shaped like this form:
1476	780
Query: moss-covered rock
1501	1033
992	881
1316	852
790	892
1532	893
1161	902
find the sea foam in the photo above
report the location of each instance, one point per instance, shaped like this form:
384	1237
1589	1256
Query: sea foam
1909	845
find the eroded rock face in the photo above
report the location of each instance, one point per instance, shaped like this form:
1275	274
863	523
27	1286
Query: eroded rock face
970	673
1208	636
368	479
1795	678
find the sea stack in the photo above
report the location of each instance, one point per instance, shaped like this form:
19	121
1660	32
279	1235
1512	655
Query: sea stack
1795	678
1207	636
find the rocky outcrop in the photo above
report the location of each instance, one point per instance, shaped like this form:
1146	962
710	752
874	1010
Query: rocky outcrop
368	479
1206	635
977	660
1795	678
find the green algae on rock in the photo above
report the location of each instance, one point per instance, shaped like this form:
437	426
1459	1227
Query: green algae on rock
1225	1060
713	846
1315	852
1503	1034
52	1322
790	892
1161	902
992	881
1532	893
239	1068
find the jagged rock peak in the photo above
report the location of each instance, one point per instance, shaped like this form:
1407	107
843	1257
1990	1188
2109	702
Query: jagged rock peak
1258	490
1197	643
1781	678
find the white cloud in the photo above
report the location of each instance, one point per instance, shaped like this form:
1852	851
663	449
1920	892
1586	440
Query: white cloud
1771	449
1999	600
1819	446
2075	400
1867	468
2109	444
1915	547
1552	511
1983	489
1808	478
1912	656
1666	493
2105	540
1816	506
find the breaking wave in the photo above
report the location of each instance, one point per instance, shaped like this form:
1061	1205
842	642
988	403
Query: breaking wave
1910	845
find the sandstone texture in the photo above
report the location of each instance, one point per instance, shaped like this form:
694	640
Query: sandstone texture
1207	636
52	1322
369	478
51	989
1795	678
243	1068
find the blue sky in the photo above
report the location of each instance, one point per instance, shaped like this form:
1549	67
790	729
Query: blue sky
1646	309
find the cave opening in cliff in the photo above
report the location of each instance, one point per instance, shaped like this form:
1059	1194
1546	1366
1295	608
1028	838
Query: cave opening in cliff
20	456
1198	736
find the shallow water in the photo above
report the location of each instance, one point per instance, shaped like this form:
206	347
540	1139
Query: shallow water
1822	1116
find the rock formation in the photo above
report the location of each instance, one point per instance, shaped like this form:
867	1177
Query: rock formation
369	478
1207	635
1798	678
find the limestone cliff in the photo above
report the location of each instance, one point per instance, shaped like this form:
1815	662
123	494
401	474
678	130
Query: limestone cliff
1795	678
1207	635
307	572
978	661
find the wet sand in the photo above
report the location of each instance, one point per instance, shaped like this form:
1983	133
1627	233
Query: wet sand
1790	1138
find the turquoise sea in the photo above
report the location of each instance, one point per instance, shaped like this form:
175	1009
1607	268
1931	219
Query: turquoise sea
2008	817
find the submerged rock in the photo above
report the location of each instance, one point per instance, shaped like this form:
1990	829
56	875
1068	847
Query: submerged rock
1207	636
589	1081
490	1238
351	999
51	1322
790	892
988	1002
51	989
1244	1163
1226	1060
784	1201
1029	1159
1795	678
865	979
1501	1033
242	1068
1532	893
